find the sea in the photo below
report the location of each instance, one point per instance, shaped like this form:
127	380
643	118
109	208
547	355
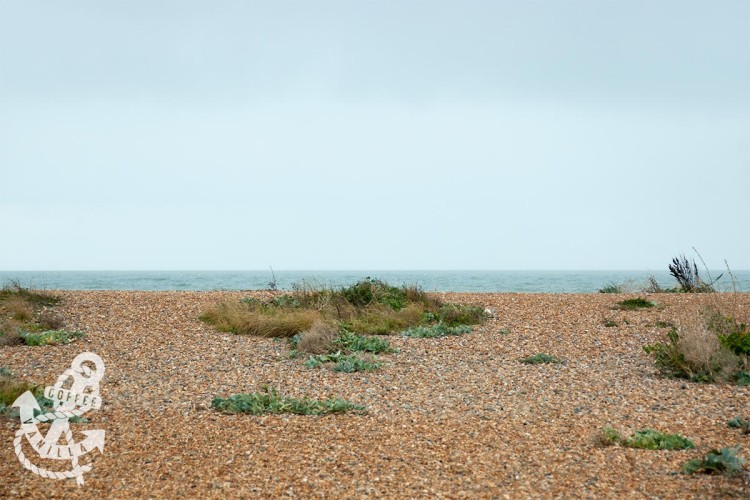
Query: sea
440	281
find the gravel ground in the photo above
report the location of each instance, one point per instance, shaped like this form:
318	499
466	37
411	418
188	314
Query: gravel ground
453	417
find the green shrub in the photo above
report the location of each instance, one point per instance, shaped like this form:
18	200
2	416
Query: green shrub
740	423
742	378
646	439
368	291
632	304
436	330
723	461
50	337
460	314
650	439
541	358
611	288
269	401
738	341
610	323
286	301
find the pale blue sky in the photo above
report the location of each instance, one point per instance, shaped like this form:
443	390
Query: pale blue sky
373	135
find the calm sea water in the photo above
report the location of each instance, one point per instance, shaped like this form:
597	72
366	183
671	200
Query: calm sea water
455	281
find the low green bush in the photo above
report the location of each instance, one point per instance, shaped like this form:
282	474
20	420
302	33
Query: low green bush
646	439
349	341
346	363
632	304
737	341
541	358
270	401
723	461
611	288
650	439
740	423
50	337
435	331
460	314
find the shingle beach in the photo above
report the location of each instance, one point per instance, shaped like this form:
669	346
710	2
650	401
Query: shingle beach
453	417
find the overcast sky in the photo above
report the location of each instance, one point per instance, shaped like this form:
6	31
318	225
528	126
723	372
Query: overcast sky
373	134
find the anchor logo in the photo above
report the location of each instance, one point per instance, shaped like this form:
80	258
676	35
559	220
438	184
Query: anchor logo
80	396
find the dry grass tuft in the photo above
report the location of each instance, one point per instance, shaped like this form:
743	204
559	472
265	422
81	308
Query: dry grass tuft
50	320
702	350
318	339
10	332
12	387
246	319
381	320
17	308
23	310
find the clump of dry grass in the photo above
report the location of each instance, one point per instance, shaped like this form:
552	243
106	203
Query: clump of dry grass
50	320
10	332
711	343
318	339
23	310
17	308
703	352
247	319
11	387
381	320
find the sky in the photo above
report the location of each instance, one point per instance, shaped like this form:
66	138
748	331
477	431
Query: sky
331	135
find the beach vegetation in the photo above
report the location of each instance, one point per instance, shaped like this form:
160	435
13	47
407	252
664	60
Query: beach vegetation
611	287
710	344
689	280
633	304
740	423
11	387
50	337
346	363
646	439
724	461
342	349
349	341
435	331
269	401
25	314
368	307
541	358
